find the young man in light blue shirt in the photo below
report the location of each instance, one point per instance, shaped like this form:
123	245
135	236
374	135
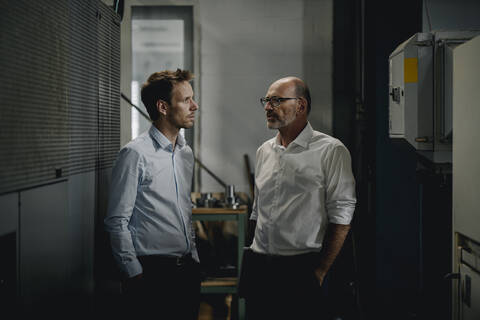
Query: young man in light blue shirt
149	216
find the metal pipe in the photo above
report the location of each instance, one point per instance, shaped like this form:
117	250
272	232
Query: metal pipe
210	173
137	108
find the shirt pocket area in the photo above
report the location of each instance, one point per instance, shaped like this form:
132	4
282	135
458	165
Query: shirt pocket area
153	175
307	179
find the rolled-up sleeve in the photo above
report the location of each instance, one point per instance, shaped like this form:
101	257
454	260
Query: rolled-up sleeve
340	185
123	192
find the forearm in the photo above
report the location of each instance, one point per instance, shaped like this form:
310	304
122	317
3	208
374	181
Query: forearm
334	238
126	174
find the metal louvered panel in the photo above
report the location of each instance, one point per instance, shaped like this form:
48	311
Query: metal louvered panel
109	87
59	96
83	86
33	116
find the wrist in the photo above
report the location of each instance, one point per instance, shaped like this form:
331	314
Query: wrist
320	272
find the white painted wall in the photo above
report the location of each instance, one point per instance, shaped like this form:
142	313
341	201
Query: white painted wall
240	48
245	46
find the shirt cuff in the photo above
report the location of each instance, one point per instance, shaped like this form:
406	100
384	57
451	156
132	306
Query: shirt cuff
195	255
133	268
340	216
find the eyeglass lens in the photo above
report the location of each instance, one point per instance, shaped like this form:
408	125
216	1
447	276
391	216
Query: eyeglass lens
274	101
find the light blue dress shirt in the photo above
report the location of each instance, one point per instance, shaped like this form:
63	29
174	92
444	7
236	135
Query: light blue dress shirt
150	208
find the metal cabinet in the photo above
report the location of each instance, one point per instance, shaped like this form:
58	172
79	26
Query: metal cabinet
45	245
8	248
466	179
469	293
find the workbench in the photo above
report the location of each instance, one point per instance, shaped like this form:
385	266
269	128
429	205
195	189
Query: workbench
226	285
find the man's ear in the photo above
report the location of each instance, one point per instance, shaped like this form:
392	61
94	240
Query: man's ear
162	107
302	105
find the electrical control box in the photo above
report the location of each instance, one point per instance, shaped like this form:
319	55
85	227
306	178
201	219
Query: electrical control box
420	92
410	91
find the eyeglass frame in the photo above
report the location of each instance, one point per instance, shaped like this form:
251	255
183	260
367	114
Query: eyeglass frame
265	100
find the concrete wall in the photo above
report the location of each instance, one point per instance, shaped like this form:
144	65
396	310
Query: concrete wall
245	46
240	48
450	15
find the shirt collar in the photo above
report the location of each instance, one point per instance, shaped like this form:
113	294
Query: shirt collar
180	140
162	141
303	138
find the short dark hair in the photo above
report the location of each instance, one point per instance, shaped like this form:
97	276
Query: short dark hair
159	86
302	90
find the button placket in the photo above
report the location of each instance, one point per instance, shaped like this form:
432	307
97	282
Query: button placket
277	176
178	205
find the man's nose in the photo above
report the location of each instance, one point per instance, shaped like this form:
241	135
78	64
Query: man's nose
268	106
194	105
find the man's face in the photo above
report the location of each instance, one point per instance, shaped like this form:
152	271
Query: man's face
181	113
284	114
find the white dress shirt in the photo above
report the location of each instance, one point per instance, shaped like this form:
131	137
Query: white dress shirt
150	207
299	190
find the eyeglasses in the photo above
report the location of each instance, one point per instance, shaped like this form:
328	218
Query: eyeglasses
274	101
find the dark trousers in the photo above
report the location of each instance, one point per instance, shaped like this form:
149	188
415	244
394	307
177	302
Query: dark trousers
169	289
282	287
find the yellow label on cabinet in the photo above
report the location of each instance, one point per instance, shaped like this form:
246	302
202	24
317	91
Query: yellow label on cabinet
410	70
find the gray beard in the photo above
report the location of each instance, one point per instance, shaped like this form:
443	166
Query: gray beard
277	124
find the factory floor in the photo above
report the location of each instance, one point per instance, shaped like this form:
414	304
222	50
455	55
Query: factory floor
215	307
212	306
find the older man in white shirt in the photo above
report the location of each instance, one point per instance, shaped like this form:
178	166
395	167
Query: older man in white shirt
304	202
